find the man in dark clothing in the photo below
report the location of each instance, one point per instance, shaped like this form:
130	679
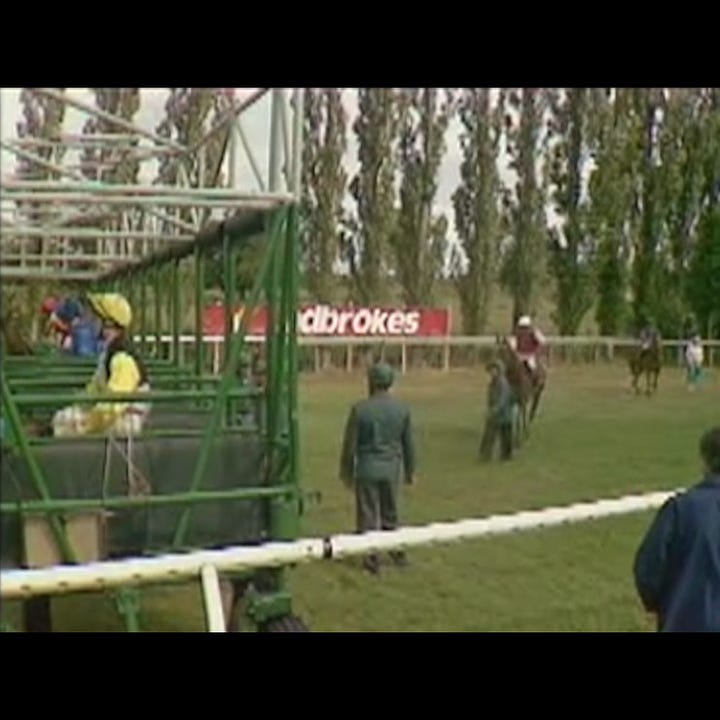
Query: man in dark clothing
499	419
677	567
378	446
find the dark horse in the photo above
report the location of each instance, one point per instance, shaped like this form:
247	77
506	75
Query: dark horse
646	360
526	388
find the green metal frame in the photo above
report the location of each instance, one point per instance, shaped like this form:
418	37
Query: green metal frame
276	284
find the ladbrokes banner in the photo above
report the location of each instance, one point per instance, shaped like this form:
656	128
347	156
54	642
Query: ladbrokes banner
344	321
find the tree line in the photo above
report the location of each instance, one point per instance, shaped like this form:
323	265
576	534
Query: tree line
632	177
609	196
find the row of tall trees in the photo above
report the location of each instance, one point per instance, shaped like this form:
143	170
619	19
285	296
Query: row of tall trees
630	178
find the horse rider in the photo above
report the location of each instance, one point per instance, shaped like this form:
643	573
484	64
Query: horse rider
529	340
119	370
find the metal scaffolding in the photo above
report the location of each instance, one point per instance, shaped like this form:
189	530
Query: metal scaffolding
143	240
71	228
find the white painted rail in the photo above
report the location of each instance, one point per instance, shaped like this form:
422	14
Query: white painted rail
15	584
593	348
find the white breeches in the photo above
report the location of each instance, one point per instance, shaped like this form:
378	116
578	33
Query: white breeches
529	359
71	421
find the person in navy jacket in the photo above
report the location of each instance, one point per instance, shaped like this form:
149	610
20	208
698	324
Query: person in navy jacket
677	567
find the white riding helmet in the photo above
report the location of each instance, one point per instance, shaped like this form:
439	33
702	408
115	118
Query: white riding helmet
525	321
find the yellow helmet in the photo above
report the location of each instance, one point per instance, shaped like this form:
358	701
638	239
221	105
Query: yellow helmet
111	306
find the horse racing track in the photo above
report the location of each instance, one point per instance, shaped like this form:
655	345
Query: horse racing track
592	439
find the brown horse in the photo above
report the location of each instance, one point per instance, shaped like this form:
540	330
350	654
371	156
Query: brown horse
646	360
526	388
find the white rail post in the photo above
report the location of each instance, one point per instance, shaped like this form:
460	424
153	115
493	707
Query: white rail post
212	598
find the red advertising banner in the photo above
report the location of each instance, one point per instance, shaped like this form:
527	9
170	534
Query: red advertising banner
329	320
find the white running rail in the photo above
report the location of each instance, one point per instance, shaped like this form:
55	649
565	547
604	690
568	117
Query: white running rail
207	565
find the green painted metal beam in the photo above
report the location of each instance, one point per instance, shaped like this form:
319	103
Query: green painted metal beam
153	396
228	375
52	506
11	416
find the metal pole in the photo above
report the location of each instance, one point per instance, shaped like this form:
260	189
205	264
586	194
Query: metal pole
285	123
109	117
12	418
176	312
213	600
66	260
228	379
142	279
249	202
33	507
272	278
233	113
293	266
229	302
237	110
274	167
78	176
199	311
48	187
85	233
158	310
20	273
272	339
37	159
232	156
250	155
297	144
170	568
72	141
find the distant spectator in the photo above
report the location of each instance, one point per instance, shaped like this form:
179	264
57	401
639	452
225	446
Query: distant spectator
694	361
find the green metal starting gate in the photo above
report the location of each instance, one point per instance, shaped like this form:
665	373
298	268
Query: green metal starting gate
217	463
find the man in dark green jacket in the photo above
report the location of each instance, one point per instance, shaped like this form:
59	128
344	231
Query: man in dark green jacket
499	419
378	448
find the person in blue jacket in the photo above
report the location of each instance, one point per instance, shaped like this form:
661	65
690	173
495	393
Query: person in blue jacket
677	567
85	329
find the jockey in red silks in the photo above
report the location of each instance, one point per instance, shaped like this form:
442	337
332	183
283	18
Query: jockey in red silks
57	327
529	341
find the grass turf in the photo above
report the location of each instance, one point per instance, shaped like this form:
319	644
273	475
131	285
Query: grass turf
592	440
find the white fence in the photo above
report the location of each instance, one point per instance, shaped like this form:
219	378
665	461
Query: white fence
206	565
441	352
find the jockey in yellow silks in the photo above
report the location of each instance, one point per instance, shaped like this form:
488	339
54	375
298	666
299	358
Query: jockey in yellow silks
119	370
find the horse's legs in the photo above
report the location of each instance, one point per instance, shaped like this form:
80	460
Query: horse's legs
652	382
231	593
634	377
536	401
519	424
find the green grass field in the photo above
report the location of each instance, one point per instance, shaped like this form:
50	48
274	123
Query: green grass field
592	440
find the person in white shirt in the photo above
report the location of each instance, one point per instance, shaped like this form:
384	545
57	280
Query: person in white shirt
694	361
